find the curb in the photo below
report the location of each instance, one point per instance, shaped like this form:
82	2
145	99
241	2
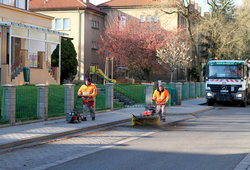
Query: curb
26	141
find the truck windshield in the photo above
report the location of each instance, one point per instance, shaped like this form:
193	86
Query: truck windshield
225	71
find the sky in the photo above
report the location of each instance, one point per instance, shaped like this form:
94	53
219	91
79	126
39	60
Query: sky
202	3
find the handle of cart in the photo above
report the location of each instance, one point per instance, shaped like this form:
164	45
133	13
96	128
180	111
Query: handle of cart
84	96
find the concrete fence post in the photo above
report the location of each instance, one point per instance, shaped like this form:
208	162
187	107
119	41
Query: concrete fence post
149	94
9	103
109	98
198	84
42	101
186	90
69	97
179	93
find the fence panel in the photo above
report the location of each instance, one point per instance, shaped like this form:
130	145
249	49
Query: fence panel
196	90
201	90
56	95
77	101
26	103
133	95
184	91
2	116
100	103
190	90
101	98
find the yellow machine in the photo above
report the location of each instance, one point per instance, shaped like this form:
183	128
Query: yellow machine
145	120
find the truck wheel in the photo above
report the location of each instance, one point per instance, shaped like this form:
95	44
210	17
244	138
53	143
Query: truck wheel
210	102
243	103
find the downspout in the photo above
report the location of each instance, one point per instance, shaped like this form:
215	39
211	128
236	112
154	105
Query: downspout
60	61
10	48
79	44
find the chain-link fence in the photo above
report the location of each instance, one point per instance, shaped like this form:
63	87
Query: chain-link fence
26	103
56	95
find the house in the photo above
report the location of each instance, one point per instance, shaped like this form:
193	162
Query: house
82	21
153	11
26	41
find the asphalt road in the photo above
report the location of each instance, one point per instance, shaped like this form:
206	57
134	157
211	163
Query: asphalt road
217	139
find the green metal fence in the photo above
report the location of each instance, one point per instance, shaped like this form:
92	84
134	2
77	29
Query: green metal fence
134	94
56	95
101	98
201	89
2	116
184	93
100	103
26	103
196	90
190	90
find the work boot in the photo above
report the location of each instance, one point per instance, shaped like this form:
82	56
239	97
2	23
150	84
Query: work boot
163	119
84	119
93	118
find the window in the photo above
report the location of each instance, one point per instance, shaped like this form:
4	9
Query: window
149	18
156	18
52	24
66	24
123	20
142	18
58	24
94	45
95	24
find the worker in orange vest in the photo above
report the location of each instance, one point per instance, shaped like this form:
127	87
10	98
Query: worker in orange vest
88	92
161	97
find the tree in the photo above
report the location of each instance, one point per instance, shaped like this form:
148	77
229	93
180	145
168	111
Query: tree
68	60
174	54
225	37
131	42
184	8
221	7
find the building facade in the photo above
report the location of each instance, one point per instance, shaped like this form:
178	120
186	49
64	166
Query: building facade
26	41
153	11
82	21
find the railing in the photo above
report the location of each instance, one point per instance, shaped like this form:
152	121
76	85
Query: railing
50	69
16	67
56	100
26	103
122	93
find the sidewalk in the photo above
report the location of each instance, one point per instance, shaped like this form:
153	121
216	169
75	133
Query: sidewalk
22	134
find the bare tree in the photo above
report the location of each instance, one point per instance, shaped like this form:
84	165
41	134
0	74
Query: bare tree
174	54
226	38
184	7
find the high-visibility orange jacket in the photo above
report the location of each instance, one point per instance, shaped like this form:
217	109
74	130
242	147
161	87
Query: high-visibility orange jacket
89	90
161	97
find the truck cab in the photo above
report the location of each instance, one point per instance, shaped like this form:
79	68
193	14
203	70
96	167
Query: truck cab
228	81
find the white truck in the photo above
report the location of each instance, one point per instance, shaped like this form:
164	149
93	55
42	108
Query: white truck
228	81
